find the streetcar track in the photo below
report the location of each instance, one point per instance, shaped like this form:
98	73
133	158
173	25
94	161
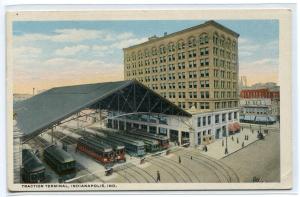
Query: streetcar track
130	174
166	169
229	171
128	180
213	165
134	168
145	172
226	168
207	165
171	160
180	167
175	170
135	171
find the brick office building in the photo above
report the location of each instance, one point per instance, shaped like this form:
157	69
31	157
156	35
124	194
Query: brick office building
196	68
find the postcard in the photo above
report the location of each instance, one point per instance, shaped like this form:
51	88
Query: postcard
149	100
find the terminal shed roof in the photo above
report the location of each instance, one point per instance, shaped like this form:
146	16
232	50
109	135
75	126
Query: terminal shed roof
43	111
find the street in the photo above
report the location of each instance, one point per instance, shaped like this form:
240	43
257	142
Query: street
260	159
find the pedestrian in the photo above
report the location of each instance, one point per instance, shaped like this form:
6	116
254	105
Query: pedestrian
237	140
245	137
179	159
243	145
222	143
158	176
232	138
191	157
226	151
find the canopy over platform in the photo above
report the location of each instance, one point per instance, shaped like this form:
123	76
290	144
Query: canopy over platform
43	111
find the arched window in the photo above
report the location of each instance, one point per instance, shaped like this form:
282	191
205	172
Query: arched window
203	38
154	51
222	41
228	43
234	45
171	47
133	56
216	38
180	45
162	49
192	41
140	55
146	53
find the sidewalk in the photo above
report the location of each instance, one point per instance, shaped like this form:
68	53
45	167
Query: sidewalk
234	143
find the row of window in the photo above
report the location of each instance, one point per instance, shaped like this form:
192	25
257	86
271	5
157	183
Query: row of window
193	94
222	105
218	118
181	45
197	105
191	63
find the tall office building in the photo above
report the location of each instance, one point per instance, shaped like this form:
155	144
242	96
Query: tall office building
195	68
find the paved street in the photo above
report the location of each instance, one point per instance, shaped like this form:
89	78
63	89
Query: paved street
260	159
237	141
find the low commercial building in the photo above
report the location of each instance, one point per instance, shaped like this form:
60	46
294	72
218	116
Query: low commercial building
260	106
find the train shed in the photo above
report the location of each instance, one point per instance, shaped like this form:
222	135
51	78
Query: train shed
53	107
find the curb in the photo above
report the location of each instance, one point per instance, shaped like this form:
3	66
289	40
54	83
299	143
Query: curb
239	149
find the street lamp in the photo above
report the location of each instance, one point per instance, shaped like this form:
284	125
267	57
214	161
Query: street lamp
226	146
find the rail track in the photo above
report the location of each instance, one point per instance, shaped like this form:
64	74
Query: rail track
223	172
168	170
64	138
146	176
185	170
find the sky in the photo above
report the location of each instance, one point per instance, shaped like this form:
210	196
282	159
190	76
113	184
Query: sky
48	54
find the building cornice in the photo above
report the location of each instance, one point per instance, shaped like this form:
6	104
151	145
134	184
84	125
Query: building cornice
208	23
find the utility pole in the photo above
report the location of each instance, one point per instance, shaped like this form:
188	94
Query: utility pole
52	135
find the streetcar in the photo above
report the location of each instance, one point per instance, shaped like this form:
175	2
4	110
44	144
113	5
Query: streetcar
150	144
119	148
99	151
61	161
162	140
33	170
133	147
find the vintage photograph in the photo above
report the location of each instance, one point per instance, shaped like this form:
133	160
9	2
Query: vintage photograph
103	102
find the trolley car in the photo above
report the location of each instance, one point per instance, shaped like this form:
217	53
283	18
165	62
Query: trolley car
33	170
119	148
150	144
99	151
132	146
61	161
162	140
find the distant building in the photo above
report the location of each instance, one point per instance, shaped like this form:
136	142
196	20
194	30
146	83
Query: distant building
243	82
260	105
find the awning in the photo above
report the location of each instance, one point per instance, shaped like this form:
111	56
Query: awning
261	119
272	119
234	127
249	118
